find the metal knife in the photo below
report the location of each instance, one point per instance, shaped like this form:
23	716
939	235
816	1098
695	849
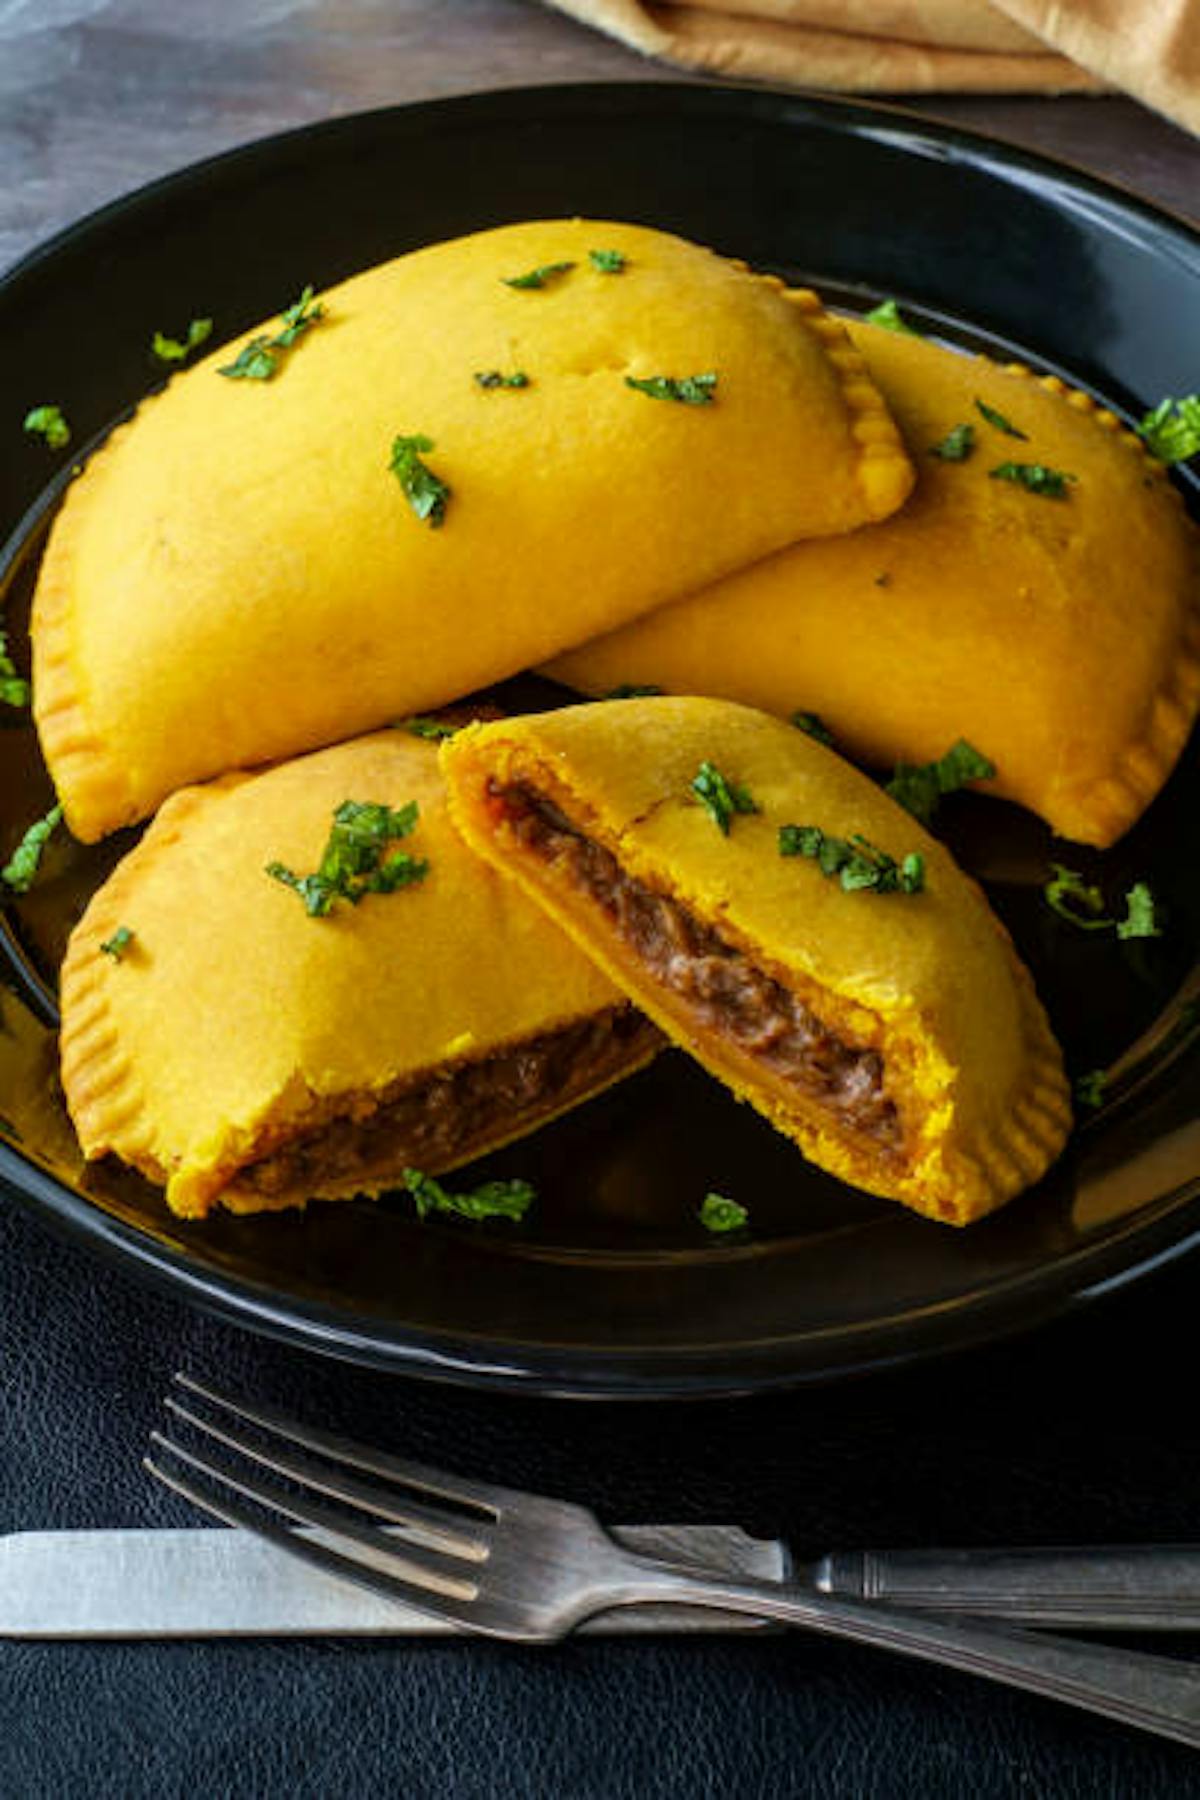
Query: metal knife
215	1583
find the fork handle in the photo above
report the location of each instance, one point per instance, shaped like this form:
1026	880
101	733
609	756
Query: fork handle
1154	1693
1151	1587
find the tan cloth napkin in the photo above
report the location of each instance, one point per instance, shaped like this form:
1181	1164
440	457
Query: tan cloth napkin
1149	47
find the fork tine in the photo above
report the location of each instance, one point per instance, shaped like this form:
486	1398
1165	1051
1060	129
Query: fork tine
458	1488
442	1531
232	1512
429	1569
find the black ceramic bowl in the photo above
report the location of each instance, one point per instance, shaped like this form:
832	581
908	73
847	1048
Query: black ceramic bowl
612	1287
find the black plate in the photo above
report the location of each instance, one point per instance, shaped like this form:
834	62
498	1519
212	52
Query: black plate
613	1287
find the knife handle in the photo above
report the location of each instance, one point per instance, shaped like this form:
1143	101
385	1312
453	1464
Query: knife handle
1153	1587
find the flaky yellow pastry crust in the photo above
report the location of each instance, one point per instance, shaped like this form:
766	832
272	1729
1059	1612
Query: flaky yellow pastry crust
1060	637
929	982
240	539
234	1026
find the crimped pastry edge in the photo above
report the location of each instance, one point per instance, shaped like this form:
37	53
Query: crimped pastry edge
1100	809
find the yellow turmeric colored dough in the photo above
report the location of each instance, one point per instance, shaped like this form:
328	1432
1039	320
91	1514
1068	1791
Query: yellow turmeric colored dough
1060	637
894	1036
244	1053
238	575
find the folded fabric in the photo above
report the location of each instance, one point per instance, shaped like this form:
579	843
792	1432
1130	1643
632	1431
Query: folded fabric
447	467
857	46
296	987
1038	596
787	924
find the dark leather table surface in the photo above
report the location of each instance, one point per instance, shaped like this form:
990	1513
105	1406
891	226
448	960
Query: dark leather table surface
1087	1431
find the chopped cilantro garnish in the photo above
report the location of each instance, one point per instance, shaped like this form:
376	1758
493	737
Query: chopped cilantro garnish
49	423
537	278
888	314
1036	478
608	262
689	390
495	378
22	866
118	943
1081	904
259	359
1140	920
719	1213
1089	1088
919	787
298	317
957	444
493	1200
856	862
353	862
1074	900
14	689
999	421
814	725
1172	431
177	350
424	491
633	690
721	798
435	729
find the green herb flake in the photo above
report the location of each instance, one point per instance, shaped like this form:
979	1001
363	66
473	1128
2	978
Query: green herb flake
259	359
354	862
608	262
718	1213
256	361
425	492
919	787
14	689
888	314
433	729
858	864
689	390
118	943
495	378
721	799
1074	900
957	444
493	1200
1140	919
298	318
537	278
998	420
1035	478
633	690
48	423
813	725
20	871
1090	1088
177	350
1172	431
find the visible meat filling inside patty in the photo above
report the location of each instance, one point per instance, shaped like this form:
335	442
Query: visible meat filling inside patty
720	986
441	1119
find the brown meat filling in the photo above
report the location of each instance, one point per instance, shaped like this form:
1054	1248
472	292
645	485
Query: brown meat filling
437	1121
720	986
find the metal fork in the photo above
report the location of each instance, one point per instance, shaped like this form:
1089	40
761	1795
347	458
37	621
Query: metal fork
509	1564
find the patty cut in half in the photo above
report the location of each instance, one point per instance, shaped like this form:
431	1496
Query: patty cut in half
789	925
240	1028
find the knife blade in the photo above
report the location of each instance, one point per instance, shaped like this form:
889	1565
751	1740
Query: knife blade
220	1583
